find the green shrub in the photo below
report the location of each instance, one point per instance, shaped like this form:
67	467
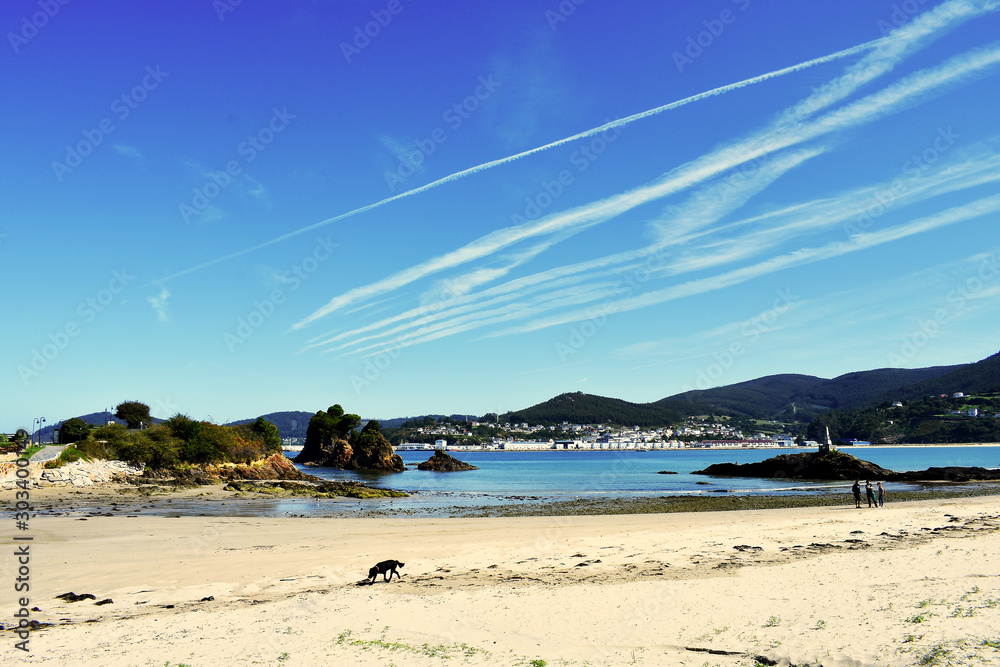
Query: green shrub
114	435
70	454
92	449
154	447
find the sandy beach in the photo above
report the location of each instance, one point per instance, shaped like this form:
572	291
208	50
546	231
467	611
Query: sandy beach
904	585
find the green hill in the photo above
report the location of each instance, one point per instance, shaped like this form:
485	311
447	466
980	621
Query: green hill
784	397
580	408
800	398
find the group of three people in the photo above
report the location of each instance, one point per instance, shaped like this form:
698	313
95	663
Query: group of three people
869	493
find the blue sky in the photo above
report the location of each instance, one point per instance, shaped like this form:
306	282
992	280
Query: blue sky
226	209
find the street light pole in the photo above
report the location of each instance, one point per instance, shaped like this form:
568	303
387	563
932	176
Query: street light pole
39	421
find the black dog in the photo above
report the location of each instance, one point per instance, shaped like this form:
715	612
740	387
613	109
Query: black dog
387	568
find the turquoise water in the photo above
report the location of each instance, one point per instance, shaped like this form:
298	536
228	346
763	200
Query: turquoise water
564	475
506	478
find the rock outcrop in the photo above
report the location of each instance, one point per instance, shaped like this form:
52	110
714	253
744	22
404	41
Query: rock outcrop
443	462
838	465
834	465
274	467
329	445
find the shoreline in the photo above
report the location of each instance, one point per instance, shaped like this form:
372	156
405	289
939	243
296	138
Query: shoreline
682	449
216	501
803	585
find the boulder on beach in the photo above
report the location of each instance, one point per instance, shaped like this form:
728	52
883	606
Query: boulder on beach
442	462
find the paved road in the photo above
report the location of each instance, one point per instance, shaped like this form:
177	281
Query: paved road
50	452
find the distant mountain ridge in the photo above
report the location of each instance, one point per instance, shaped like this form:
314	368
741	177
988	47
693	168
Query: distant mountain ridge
291	424
791	397
783	397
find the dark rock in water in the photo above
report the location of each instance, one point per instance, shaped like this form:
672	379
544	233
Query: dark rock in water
809	465
837	465
442	462
667	472
73	597
948	474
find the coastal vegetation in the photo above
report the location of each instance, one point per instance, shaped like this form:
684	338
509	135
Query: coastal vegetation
932	419
73	430
134	413
180	440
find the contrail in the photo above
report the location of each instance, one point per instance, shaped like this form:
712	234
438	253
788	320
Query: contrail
621	122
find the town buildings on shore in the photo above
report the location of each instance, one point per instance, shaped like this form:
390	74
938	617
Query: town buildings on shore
596	437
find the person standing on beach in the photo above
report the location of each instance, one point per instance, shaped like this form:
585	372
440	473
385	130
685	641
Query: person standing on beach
856	490
881	495
870	493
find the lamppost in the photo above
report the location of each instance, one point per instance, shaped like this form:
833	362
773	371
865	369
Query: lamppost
39	421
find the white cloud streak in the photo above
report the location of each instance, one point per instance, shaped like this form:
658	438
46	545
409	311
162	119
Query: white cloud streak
786	131
891	99
721	90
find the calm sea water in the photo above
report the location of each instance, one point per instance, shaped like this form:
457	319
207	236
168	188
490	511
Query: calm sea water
505	477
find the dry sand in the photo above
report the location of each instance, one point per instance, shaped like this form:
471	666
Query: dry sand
830	586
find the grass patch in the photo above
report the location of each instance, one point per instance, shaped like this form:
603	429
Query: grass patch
71	454
937	655
445	651
30	451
